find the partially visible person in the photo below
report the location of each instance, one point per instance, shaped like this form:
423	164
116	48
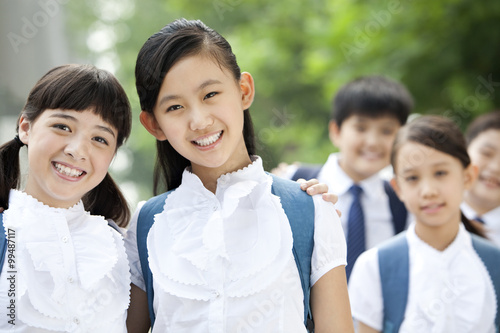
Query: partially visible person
367	113
227	241
63	262
482	201
440	275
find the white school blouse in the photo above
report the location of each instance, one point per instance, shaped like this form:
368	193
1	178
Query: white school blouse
449	291
491	221
223	262
71	271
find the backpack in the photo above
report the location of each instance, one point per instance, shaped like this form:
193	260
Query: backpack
299	209
398	210
394	276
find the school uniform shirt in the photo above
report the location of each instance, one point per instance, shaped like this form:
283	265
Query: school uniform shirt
67	272
449	291
223	262
491	221
374	200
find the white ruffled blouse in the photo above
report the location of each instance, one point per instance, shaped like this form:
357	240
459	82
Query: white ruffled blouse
223	262
70	268
449	291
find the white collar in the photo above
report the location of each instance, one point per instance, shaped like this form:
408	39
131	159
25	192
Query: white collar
194	231
57	244
332	173
461	240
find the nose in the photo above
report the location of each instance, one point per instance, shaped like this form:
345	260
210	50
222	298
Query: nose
494	163
199	119
372	138
428	188
77	148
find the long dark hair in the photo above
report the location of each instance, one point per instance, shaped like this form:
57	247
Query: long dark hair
439	133
176	41
79	88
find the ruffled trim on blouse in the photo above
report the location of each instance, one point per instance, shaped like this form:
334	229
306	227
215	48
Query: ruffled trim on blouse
188	241
49	297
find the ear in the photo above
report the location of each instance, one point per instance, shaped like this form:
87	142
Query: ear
247	89
397	189
24	129
333	132
470	176
148	120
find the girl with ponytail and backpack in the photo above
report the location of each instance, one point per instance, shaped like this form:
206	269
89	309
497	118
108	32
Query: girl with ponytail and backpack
228	247
63	261
441	275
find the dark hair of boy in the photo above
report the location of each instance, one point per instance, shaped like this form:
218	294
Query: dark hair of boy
487	121
373	96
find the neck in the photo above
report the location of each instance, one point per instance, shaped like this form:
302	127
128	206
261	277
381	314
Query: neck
438	237
356	177
209	176
479	206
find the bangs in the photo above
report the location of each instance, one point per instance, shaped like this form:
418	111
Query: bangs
80	88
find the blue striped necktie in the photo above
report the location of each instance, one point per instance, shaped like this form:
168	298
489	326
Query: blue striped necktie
355	229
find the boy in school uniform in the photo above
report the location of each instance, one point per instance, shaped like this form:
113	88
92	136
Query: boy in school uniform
482	201
367	113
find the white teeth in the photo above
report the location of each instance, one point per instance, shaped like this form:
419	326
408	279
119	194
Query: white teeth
68	171
208	140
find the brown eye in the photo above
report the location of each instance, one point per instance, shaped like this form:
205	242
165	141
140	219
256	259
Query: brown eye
174	107
210	95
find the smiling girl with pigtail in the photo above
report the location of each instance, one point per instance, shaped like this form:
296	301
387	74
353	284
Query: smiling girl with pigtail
63	261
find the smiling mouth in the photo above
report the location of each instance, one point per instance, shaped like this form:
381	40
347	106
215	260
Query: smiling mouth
208	140
432	208
67	171
490	181
372	156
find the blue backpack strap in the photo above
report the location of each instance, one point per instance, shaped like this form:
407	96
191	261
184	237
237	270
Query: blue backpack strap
490	255
299	209
3	242
307	172
112	224
394	270
398	209
144	222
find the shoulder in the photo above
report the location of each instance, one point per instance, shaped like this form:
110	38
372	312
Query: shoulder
307	171
156	199
394	242
367	262
153	205
289	190
484	246
284	183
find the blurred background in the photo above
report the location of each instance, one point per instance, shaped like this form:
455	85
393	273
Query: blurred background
447	52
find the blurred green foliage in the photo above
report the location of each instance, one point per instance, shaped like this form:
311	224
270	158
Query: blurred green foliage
446	52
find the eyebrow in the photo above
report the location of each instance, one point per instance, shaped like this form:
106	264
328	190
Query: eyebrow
411	169
203	85
488	145
69	117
